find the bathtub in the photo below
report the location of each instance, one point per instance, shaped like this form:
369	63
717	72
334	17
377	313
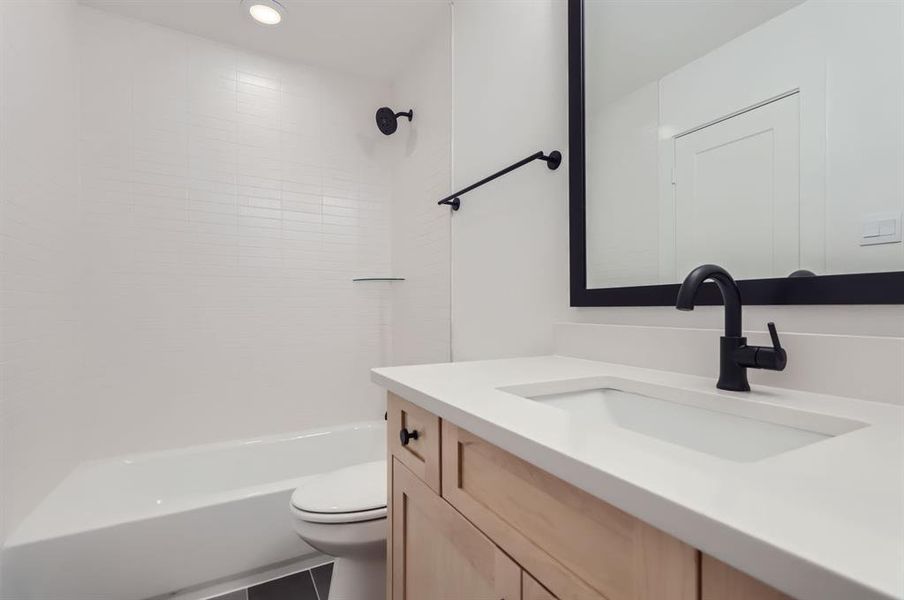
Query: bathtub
166	523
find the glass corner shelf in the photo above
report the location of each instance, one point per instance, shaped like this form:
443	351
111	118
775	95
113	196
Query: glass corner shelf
379	279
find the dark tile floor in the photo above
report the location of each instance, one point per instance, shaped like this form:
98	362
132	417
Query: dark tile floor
313	584
322	576
299	586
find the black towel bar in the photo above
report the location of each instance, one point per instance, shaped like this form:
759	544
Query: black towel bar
553	160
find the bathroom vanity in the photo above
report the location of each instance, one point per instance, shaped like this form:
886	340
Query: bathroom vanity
449	487
553	477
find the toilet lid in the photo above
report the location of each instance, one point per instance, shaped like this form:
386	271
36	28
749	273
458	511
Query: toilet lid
353	489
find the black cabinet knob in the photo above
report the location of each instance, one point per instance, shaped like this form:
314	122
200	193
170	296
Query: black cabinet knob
406	436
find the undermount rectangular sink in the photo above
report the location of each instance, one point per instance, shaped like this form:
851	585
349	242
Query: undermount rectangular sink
722	426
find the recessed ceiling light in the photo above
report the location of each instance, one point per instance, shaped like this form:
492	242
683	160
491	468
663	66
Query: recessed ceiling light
266	12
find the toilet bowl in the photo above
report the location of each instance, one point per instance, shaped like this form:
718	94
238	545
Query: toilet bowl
343	514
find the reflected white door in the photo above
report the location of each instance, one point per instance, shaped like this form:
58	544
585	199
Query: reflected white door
737	193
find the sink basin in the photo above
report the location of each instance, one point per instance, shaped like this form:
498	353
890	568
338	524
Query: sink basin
722	426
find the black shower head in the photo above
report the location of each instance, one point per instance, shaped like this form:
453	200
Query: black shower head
388	121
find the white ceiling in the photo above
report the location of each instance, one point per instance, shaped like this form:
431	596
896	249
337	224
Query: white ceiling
631	42
365	37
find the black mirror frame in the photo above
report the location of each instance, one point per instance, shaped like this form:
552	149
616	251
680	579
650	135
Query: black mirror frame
860	288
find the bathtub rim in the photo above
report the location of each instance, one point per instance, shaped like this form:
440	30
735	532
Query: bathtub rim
32	530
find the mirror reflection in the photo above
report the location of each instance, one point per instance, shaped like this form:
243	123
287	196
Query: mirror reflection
736	133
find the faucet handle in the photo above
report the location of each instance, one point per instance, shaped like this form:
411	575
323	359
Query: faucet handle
775	358
776	344
763	357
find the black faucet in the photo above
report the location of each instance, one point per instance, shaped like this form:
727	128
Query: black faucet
735	356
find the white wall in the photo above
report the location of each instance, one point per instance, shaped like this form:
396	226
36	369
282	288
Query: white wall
865	88
421	229
39	354
623	233
510	241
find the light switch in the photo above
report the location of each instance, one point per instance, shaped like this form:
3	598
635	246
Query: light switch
887	227
881	228
870	229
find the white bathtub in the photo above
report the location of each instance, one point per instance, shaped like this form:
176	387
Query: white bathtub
140	526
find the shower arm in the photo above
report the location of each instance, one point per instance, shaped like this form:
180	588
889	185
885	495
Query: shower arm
553	160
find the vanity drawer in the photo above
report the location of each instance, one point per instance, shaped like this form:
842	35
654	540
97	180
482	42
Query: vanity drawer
414	439
600	551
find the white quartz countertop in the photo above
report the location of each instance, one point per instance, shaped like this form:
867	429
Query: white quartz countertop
821	522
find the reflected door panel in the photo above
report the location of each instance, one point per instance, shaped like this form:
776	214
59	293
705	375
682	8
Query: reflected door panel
737	193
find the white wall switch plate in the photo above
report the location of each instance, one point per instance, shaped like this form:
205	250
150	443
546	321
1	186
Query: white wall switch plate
881	228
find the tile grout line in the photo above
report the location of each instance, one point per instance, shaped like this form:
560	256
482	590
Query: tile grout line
314	583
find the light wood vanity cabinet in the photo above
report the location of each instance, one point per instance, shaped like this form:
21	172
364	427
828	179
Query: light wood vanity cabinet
532	590
470	521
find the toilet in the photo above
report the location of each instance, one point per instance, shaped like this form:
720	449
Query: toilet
343	514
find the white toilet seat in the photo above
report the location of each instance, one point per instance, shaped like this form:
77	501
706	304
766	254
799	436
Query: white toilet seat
348	495
338	518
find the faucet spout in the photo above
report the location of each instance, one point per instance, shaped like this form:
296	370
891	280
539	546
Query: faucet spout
731	295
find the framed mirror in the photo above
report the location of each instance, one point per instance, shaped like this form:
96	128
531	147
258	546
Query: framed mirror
765	136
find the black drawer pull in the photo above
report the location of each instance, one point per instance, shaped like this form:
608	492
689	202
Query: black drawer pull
406	436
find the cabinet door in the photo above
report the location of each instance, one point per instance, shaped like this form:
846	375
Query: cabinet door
532	590
721	582
437	554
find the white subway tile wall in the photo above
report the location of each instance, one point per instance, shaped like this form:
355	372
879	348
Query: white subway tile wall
181	224
228	200
421	229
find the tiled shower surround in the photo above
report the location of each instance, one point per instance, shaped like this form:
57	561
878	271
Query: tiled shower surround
228	201
182	222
